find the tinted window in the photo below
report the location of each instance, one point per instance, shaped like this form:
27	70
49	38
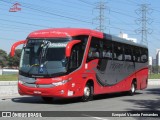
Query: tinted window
144	55
118	52
94	50
53	56
127	53
77	53
74	57
136	54
107	49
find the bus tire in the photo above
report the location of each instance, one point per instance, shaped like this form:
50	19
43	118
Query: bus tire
87	93
133	88
47	99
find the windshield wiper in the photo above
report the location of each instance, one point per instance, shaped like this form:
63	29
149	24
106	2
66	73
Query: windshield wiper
44	46
42	61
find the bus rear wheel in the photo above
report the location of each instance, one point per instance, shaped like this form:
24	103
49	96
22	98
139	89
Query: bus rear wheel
87	93
47	99
133	88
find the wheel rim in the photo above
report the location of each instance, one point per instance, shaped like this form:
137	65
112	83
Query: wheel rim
133	88
87	91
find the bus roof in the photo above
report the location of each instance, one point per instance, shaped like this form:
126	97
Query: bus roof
122	40
63	32
68	32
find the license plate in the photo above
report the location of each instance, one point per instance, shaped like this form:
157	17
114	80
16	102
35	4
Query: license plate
37	92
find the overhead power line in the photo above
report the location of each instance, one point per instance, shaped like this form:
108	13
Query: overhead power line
22	23
101	7
51	13
144	20
86	2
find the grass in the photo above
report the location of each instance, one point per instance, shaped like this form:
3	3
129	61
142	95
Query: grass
154	76
13	77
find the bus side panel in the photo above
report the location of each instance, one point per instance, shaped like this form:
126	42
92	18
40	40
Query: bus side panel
141	75
117	76
123	85
77	82
144	82
142	78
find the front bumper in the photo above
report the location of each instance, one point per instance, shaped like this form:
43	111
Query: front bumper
62	91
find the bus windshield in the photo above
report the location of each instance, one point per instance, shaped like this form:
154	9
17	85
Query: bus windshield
44	57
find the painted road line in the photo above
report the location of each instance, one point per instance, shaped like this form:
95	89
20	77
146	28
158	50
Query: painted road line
97	118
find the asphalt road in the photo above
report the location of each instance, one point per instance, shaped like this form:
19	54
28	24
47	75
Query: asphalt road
146	100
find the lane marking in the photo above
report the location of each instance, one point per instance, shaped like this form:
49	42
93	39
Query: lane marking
98	118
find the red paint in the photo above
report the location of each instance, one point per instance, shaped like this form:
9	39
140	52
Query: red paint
78	78
69	47
63	32
15	45
15	8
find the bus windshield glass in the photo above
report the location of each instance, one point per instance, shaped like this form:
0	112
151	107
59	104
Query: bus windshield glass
44	57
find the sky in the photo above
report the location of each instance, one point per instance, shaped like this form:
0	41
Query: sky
120	16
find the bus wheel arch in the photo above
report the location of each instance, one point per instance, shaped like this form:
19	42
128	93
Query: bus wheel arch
146	81
88	91
133	87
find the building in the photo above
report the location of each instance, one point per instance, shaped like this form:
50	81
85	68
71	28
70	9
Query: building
158	57
125	36
150	63
154	62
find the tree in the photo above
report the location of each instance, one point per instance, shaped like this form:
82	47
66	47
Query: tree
14	61
3	58
156	69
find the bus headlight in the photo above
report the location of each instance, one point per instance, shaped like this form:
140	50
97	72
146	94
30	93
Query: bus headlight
21	82
60	83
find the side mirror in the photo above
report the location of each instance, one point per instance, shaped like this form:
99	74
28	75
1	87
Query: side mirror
69	47
12	52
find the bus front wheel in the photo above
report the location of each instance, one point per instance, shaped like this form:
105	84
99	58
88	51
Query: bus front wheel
88	93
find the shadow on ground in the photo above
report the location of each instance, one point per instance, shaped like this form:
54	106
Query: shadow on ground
39	100
57	101
148	104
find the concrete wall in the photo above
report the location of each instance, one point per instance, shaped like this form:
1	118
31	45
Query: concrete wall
8	71
0	71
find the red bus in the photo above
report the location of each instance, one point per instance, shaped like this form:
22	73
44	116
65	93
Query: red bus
74	62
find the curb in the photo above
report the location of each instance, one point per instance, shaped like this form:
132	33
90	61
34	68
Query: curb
9	88
8	83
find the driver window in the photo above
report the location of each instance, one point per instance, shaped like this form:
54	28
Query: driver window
76	56
94	50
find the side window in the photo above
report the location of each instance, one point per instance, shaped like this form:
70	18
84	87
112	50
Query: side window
118	51
76	56
77	53
136	54
107	49
94	50
144	55
127	53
